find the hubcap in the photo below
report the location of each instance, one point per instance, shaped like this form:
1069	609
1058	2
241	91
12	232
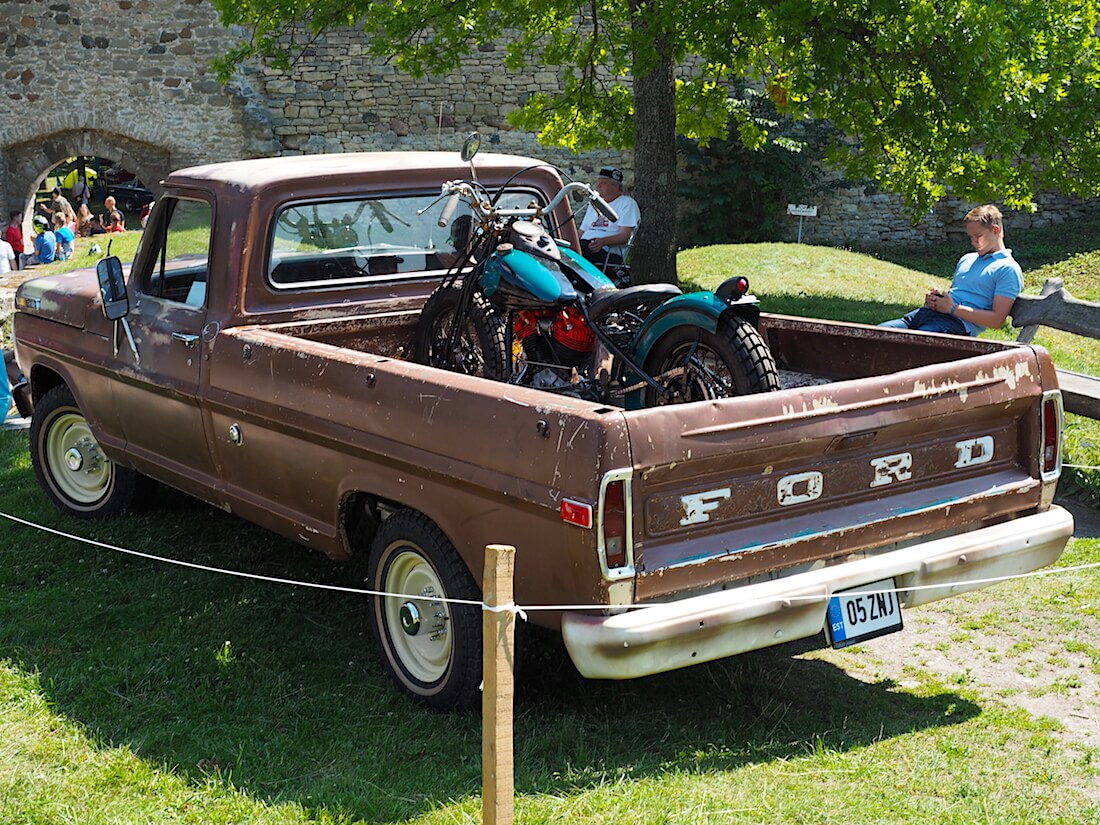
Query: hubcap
78	468
410	619
424	645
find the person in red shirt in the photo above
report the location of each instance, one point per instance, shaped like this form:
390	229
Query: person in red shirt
14	235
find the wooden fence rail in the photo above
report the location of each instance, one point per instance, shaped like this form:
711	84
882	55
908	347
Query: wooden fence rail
1054	307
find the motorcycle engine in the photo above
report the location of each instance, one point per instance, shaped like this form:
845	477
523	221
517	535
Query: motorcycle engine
554	336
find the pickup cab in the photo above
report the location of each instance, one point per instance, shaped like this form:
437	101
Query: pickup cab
256	355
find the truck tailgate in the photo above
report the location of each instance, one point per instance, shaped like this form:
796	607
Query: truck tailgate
780	481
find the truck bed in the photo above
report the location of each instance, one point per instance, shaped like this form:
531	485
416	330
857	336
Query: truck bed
859	452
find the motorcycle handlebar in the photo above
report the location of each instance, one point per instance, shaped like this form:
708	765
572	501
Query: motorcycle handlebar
449	209
604	208
461	190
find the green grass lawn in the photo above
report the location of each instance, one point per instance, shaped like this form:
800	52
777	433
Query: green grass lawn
134	692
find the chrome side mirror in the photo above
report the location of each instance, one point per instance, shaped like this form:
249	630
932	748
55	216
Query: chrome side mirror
470	146
112	288
116	301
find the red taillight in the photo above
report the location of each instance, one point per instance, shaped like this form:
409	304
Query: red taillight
614	524
1051	436
576	512
733	289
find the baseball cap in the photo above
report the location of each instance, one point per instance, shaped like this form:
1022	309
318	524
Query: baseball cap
40	221
613	173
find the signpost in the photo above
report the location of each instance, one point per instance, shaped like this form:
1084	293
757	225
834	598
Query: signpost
802	211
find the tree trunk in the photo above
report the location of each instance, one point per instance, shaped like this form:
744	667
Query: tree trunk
653	255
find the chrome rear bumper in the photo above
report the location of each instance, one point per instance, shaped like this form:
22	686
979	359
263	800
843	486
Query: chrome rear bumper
672	635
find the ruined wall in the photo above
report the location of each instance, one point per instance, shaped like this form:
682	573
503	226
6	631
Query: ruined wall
123	79
130	80
345	102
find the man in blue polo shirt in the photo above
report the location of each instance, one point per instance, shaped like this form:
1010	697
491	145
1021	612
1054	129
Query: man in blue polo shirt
983	290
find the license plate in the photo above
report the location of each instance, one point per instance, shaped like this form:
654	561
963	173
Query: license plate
857	615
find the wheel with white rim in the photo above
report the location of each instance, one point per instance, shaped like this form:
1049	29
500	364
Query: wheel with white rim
430	646
70	465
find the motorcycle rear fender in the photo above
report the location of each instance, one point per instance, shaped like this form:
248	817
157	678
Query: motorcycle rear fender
697	309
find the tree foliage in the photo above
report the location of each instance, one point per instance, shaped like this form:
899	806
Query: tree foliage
984	99
731	194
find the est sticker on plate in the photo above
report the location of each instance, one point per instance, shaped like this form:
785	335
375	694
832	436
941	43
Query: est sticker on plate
863	613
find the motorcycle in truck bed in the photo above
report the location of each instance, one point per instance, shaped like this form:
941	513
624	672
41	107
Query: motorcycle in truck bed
259	355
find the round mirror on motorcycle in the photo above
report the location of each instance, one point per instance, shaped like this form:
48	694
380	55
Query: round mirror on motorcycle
470	146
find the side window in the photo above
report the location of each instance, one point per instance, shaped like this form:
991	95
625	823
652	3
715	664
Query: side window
181	231
332	243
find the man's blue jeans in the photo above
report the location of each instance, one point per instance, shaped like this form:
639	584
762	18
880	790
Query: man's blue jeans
928	320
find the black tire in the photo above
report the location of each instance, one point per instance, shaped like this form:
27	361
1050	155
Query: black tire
481	348
431	649
71	467
734	360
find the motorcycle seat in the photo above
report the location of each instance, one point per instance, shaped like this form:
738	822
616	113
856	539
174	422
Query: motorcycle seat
609	300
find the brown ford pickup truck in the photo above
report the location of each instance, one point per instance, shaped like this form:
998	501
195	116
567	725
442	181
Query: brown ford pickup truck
256	356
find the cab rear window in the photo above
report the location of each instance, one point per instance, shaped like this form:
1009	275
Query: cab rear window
331	243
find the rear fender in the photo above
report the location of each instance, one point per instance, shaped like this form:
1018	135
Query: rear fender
697	309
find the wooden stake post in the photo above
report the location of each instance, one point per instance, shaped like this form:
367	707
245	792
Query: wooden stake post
498	690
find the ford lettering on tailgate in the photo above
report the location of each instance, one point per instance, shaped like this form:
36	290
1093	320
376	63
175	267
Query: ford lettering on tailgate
841	479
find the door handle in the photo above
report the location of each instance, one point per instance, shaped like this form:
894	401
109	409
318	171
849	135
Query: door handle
188	338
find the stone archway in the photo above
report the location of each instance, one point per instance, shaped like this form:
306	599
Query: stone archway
29	162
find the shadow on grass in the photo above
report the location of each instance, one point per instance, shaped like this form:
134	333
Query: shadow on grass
278	691
757	707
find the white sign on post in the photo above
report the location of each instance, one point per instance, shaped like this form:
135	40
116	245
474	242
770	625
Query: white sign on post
802	210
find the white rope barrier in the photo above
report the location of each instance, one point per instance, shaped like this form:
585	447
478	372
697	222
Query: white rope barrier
238	573
511	607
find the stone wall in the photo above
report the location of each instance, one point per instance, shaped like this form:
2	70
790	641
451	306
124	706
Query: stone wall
130	80
346	102
123	79
864	219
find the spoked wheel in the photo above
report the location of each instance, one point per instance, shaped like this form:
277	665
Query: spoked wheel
431	648
480	346
71	467
695	365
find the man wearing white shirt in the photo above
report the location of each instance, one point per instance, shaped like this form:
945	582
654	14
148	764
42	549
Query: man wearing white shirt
605	242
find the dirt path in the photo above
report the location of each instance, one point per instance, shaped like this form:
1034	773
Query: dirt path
1008	643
